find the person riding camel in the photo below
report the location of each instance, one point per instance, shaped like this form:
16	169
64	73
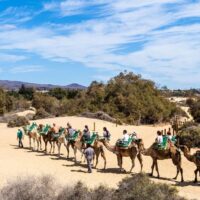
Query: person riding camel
159	139
55	128
70	130
124	139
86	134
106	133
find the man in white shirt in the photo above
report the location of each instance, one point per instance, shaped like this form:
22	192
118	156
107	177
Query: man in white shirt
126	136
159	138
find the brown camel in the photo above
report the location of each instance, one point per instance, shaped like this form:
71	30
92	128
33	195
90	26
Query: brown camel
99	149
132	151
195	158
75	144
59	140
47	138
35	136
79	144
171	152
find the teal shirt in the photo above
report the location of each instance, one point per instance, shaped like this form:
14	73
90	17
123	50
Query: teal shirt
19	134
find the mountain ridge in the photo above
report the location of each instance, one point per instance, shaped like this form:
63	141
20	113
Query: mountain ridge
15	85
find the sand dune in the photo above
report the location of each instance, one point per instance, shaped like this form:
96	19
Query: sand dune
23	162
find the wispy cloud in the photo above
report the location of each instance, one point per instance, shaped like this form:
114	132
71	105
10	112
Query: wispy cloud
4	57
143	36
27	69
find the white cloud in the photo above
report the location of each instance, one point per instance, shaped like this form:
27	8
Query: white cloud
169	52
4	57
27	69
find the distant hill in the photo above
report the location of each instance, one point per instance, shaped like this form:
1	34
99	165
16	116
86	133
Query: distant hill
15	85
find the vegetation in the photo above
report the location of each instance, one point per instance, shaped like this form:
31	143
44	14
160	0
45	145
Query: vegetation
194	109
127	98
138	187
18	121
189	135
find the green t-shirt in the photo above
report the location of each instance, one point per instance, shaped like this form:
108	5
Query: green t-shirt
19	134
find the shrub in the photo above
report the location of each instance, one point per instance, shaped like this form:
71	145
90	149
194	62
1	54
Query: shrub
30	188
138	187
189	135
48	103
41	114
18	121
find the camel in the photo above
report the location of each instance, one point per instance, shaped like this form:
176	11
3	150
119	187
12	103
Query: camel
195	158
76	145
33	134
79	144
132	151
59	140
47	137
171	152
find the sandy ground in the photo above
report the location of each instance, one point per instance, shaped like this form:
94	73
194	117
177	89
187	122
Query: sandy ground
16	162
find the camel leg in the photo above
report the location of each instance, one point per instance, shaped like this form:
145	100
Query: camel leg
156	164
97	157
152	167
104	157
119	159
67	147
139	156
50	147
30	142
54	143
40	140
34	144
45	147
59	147
38	144
75	151
195	172
133	163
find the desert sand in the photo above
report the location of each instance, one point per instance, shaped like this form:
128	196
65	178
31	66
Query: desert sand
16	162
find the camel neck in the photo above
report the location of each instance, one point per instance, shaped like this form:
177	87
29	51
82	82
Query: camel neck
109	147
188	155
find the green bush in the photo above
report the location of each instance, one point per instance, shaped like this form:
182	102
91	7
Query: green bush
189	135
18	121
41	114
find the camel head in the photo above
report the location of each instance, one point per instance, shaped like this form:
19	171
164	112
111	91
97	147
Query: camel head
140	144
184	148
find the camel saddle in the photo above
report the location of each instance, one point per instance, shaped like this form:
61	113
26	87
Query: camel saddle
57	135
33	125
123	144
74	137
163	145
92	139
45	130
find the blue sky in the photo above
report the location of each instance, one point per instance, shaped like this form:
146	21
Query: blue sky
67	41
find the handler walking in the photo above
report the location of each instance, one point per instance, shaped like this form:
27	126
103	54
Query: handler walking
20	137
89	154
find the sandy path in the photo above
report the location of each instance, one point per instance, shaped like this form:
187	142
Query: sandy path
22	162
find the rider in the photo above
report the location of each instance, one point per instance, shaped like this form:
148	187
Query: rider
70	130
159	139
86	133
169	135
106	133
126	136
55	128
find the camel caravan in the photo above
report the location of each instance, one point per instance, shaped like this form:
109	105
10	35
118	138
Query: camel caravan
92	145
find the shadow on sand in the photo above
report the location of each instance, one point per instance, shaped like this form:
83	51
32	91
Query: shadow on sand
112	171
